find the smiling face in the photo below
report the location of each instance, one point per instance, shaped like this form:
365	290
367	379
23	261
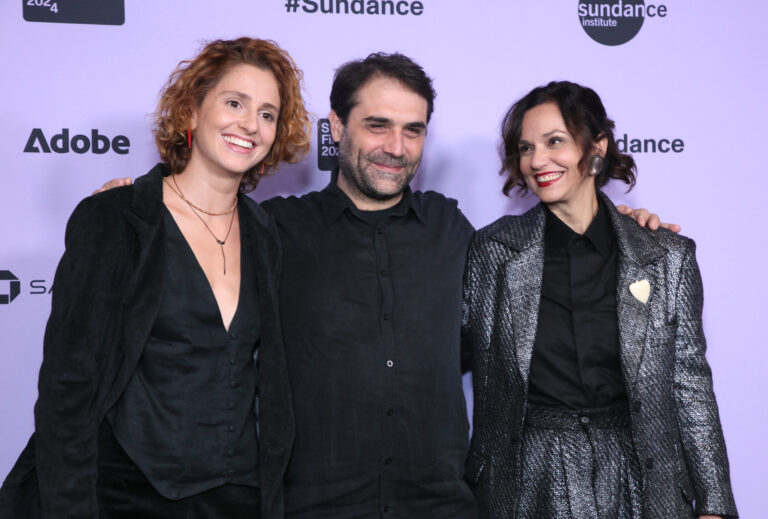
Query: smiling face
234	127
380	147
549	160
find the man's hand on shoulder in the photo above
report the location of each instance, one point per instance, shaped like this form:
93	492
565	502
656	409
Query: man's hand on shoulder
644	217
115	182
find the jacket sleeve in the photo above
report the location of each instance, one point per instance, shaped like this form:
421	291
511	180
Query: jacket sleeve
699	421
81	328
466	308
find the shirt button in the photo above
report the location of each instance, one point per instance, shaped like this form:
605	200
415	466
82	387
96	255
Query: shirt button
232	360
649	463
233	335
231	428
379	231
384	273
386	317
637	406
388	461
230	452
584	419
230	405
390	412
230	472
390	363
232	383
386	508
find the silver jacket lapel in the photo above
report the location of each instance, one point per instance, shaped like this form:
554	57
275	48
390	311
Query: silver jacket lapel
522	284
637	256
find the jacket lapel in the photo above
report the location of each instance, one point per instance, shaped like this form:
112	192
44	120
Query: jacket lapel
145	217
521	292
145	288
638	254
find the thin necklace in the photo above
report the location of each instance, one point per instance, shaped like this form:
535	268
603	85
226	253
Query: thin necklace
177	190
195	209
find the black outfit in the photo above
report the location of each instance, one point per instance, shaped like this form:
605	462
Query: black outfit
371	309
124	492
186	417
576	361
95	337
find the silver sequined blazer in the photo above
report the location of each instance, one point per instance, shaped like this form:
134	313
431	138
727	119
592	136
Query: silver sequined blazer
675	422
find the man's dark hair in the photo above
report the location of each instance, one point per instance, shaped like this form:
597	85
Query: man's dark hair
353	75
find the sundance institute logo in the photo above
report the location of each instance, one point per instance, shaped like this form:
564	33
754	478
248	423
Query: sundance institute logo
615	22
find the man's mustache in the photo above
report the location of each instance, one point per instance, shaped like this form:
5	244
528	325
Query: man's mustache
388	160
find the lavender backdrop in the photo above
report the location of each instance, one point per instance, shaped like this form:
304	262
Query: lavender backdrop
697	74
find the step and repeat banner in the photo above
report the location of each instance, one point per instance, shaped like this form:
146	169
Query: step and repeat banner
684	80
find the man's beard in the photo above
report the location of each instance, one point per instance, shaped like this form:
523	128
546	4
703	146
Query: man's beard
354	170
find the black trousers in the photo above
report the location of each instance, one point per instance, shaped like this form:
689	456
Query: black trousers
125	493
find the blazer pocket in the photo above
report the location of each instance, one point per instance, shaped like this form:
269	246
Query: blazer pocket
474	468
686	486
684	479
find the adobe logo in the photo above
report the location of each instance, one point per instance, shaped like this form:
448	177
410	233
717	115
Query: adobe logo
62	143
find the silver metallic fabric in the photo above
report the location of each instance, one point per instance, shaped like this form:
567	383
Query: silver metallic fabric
579	464
675	428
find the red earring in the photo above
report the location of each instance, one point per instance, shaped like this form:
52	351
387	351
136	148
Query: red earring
262	169
189	139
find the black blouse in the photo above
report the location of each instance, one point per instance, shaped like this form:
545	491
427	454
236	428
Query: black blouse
576	358
186	418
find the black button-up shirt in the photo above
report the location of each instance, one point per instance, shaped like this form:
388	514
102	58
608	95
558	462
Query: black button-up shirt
370	306
576	358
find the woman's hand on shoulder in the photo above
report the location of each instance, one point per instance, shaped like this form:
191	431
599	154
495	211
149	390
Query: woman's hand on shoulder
644	217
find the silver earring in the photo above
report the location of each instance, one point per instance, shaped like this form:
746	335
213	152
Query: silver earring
595	165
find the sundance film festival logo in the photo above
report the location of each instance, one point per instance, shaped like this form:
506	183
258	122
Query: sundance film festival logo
10	287
327	151
98	12
615	22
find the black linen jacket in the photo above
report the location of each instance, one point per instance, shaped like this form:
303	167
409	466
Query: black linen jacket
675	422
106	294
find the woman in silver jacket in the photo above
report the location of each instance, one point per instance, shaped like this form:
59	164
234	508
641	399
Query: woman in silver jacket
593	397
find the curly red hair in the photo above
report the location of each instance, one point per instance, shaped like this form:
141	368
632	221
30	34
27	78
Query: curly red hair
193	79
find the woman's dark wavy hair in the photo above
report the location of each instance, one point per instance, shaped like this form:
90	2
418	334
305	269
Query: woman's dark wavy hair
193	79
585	119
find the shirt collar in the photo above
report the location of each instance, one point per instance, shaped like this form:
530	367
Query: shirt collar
558	235
336	201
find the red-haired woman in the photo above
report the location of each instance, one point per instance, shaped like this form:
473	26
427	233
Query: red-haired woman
163	389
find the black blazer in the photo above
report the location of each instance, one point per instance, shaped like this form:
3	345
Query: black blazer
106	294
675	422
